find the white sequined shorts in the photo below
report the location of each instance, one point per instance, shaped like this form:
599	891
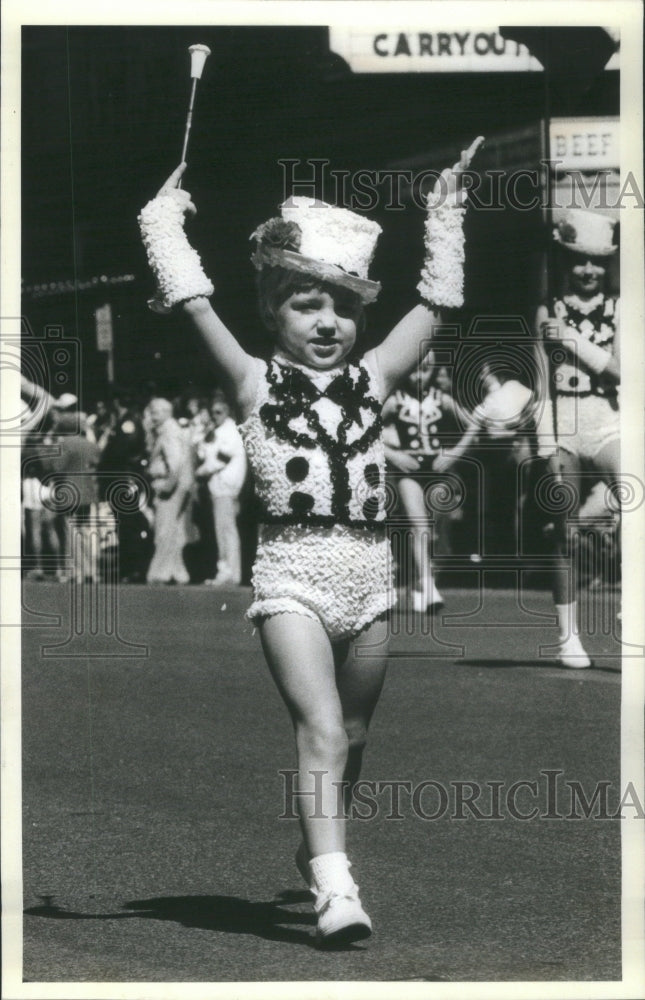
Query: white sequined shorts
586	424
339	576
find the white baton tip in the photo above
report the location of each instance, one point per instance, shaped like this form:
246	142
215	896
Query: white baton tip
198	56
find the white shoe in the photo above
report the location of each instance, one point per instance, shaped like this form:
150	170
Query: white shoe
419	602
341	919
428	599
571	654
435	600
223	579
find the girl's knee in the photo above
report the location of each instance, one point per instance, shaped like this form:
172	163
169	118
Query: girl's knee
356	735
323	740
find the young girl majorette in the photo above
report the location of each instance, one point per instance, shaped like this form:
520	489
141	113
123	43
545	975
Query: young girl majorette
310	420
419	418
581	329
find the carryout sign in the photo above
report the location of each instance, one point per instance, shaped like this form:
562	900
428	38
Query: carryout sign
413	50
408	51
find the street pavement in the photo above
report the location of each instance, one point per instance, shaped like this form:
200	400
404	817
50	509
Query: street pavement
153	850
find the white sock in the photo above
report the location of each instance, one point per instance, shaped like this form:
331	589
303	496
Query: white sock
567	619
330	872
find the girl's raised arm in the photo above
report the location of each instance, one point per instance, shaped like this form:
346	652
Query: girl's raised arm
181	282
593	358
441	278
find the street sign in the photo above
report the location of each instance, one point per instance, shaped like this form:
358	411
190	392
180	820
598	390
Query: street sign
585	143
414	50
104	329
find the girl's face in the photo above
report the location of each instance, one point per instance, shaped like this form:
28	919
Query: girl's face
443	380
419	380
219	413
317	328
586	277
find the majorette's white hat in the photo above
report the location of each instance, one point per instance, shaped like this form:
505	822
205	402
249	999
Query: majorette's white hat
586	232
331	243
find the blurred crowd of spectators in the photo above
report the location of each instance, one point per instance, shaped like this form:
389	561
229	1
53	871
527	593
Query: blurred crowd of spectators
151	489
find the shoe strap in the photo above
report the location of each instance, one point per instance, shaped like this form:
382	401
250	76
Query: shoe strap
323	899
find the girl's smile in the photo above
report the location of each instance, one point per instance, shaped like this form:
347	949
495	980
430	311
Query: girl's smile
587	277
316	327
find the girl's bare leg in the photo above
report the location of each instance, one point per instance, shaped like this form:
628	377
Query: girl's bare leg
300	657
412	499
607	463
563	582
359	677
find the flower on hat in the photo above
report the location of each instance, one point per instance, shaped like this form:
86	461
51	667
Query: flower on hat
567	232
586	232
279	233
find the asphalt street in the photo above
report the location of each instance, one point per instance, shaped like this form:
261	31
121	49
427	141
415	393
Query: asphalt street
154	851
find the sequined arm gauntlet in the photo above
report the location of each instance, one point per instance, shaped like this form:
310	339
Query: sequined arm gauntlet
442	275
175	264
594	357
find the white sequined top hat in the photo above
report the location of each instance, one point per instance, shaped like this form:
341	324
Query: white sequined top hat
586	233
331	243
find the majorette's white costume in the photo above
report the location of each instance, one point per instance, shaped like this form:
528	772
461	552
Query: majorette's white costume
313	441
587	412
421	427
586	402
